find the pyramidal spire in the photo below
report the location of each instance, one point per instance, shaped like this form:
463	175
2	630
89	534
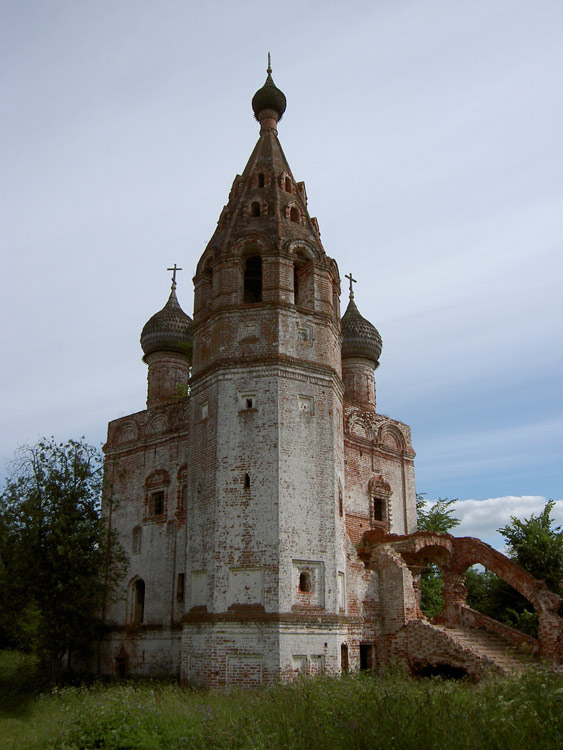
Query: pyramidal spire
266	200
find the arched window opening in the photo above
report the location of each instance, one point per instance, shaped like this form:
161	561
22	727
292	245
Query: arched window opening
305	581
303	280
287	185
294	215
138	601
255	208
260	180
247	481
253	279
121	667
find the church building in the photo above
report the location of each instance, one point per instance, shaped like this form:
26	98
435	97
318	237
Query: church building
254	495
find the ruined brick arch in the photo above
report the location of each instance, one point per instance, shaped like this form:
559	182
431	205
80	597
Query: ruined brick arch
157	478
303	249
358	424
128	432
157	425
253	244
470	551
454	555
391	437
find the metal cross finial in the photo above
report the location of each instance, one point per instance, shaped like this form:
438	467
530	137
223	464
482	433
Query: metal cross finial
352	281
269	69
174	269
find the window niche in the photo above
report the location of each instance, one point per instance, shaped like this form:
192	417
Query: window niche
136	539
156	489
138	601
303	279
253	279
247	402
308	584
180	587
182	497
379	496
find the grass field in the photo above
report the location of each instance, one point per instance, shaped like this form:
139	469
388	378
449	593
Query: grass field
392	711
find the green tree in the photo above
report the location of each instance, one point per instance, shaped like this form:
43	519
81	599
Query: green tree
438	518
57	560
537	546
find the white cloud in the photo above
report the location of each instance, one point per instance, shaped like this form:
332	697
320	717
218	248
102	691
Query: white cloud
482	518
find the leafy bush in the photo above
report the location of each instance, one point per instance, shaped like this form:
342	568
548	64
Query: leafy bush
20	678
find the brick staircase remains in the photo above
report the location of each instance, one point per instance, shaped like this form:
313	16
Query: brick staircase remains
491	647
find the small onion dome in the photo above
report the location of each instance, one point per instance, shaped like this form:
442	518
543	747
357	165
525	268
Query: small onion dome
269	97
359	337
169	330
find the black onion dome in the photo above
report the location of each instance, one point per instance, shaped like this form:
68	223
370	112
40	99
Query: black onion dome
269	97
169	330
359	337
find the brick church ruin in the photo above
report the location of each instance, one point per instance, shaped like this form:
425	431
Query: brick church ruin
267	511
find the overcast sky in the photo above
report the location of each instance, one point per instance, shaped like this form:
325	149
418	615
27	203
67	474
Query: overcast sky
429	136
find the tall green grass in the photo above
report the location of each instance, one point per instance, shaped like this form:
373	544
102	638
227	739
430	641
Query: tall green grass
392	711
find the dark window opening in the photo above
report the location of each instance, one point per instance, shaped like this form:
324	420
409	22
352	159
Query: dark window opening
180	587
139	602
121	667
340	503
253	279
255	209
366	657
246	481
249	403
344	657
295	283
378	509
288	185
157	503
260	180
294	215
305	581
